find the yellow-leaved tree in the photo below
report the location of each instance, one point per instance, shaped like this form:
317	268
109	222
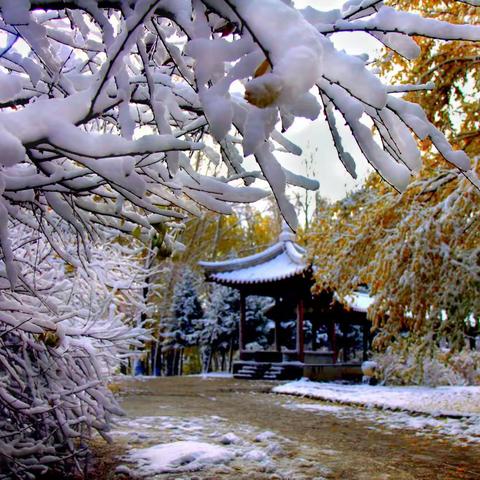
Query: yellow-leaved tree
420	251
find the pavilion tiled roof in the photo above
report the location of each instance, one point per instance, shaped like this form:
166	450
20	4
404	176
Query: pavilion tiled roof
284	259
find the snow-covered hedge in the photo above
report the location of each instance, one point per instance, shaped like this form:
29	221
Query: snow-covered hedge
418	363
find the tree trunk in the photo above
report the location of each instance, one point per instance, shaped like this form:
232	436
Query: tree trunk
230	357
223	361
209	360
174	369
157	359
180	366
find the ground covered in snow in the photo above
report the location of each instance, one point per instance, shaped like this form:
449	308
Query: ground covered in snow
437	401
451	411
159	445
183	456
194	428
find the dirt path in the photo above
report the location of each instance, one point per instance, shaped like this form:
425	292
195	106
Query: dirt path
303	445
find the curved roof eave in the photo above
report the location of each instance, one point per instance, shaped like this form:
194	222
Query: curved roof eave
282	260
244	262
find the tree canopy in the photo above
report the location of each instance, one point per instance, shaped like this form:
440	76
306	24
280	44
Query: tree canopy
419	251
105	104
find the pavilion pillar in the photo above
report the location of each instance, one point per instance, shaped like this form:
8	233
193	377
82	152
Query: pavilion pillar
278	347
332	336
346	350
242	326
314	334
300	332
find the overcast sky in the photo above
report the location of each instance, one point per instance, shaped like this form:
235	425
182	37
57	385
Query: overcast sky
314	137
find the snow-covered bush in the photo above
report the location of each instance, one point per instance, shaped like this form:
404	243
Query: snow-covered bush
416	363
61	331
260	328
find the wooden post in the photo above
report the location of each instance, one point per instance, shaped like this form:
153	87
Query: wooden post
300	333
314	334
344	329
278	347
242	326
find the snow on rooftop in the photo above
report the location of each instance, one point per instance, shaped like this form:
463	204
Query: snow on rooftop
279	268
282	260
359	301
237	263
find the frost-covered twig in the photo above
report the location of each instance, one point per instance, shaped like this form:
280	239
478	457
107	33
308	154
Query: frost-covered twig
56	351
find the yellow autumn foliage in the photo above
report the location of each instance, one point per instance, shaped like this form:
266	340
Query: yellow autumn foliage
419	251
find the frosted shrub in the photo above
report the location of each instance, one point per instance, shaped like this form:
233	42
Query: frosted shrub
466	364
61	333
405	363
50	404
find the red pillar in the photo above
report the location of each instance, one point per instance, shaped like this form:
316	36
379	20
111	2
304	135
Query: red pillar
300	333
333	338
278	347
366	333
242	326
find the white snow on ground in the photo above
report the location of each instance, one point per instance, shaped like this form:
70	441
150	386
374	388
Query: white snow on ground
462	431
313	407
230	439
186	456
422	409
436	401
159	446
264	436
213	375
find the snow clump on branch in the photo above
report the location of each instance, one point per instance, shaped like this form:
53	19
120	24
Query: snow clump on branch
104	104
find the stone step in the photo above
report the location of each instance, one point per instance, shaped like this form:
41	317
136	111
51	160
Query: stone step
243	375
260	371
253	370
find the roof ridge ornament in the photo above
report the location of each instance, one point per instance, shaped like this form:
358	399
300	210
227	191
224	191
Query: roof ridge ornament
287	234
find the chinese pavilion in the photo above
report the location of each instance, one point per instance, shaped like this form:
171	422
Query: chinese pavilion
330	340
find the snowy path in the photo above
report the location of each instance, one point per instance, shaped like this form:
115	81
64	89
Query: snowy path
454	402
234	429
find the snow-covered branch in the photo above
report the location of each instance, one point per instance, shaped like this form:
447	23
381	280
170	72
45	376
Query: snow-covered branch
61	331
107	87
113	115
